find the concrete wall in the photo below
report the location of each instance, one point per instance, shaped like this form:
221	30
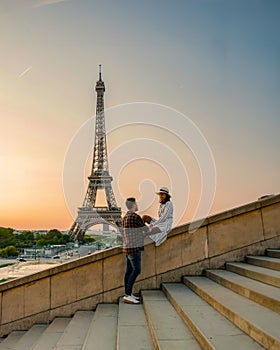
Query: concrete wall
98	278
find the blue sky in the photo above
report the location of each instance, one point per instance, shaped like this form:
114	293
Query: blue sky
215	61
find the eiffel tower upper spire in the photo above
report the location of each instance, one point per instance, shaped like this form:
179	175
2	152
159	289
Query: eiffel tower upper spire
100	86
100	72
100	158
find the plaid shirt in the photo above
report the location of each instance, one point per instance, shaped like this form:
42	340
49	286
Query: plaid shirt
134	230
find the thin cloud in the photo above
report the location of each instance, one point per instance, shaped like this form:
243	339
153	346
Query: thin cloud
46	2
25	72
11	6
19	5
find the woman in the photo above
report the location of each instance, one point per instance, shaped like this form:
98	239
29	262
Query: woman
159	228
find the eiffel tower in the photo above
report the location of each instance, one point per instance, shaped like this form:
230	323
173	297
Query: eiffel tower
90	214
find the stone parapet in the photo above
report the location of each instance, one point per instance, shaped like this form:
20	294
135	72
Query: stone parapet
83	283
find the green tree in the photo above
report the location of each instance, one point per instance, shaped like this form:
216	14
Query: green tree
66	238
9	251
28	236
53	235
7	237
4	230
41	242
56	237
25	239
61	240
88	239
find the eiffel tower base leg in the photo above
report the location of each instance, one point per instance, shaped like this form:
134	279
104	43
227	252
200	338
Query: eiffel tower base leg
88	217
76	233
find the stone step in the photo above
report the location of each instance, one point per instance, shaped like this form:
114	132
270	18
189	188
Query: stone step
75	333
211	329
264	261
274	253
133	330
258	273
166	326
11	340
29	339
102	333
257	321
52	334
266	295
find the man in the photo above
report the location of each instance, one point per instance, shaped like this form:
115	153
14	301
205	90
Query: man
134	230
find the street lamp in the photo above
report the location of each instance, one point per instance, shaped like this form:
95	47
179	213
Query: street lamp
34	247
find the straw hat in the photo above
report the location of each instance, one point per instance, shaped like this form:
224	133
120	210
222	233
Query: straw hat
164	190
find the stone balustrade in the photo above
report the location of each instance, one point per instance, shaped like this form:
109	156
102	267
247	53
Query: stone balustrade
98	278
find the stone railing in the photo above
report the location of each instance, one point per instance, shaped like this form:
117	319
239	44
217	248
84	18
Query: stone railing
82	284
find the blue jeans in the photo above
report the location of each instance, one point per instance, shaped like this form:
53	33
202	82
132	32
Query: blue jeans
133	269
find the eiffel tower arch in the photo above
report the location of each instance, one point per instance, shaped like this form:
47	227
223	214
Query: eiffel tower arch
90	214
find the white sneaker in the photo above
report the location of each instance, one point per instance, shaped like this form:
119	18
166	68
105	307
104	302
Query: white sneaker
129	299
133	296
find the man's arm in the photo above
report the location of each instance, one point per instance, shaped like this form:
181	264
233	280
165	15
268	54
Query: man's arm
144	229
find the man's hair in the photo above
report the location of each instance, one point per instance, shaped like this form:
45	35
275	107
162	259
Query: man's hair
129	202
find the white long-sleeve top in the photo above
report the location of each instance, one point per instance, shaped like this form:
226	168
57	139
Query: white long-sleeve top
164	222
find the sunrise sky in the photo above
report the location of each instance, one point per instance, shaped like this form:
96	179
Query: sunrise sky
205	71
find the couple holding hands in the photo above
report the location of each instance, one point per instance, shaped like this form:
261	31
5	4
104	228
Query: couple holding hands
135	229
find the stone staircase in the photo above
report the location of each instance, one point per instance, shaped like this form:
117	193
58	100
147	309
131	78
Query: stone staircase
235	308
